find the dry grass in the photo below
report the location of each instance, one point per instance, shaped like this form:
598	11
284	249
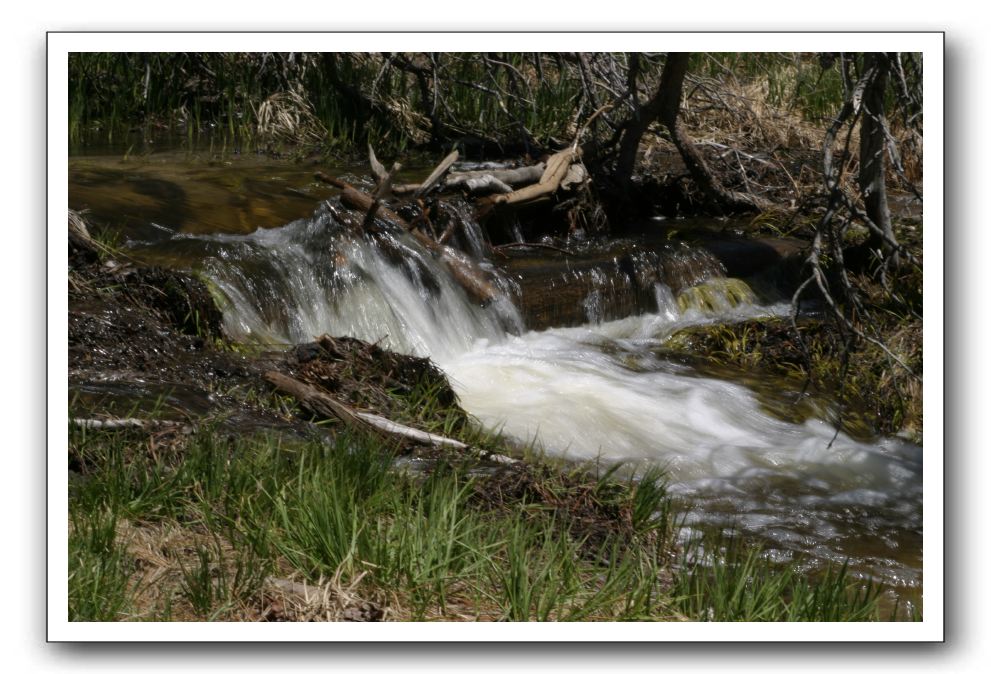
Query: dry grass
164	553
288	117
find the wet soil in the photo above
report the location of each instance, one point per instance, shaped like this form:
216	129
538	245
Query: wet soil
149	339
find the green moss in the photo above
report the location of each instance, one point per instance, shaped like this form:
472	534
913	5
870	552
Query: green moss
715	295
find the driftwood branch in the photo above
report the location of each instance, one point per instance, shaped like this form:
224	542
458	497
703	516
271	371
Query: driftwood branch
555	172
377	169
383	178
324	405
524	175
487	184
436	174
115	424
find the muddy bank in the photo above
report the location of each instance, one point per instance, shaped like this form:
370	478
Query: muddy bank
149	341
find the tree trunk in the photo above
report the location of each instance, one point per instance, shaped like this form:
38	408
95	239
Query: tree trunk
873	143
665	105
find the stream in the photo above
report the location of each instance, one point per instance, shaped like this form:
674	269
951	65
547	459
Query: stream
608	389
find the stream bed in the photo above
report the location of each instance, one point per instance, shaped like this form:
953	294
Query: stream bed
607	390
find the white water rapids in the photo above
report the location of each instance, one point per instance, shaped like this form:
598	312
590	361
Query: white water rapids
601	391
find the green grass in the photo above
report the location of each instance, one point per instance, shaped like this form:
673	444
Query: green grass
793	81
98	567
217	516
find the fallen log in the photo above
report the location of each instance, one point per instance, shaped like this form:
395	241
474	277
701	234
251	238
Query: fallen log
464	271
487	185
324	405
331	180
357	200
305	592
78	233
525	175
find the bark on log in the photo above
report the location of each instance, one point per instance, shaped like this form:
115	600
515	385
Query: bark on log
115	424
324	405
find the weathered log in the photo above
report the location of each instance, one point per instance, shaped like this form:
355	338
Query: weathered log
324	405
464	271
78	233
331	180
305	592
442	168
80	240
525	175
487	185
405	189
557	169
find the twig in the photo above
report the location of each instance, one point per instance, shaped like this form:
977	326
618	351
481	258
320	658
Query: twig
525	244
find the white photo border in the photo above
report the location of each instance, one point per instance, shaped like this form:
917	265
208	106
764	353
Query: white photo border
930	44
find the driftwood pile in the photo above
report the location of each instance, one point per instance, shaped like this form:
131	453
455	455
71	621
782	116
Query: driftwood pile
510	186
493	190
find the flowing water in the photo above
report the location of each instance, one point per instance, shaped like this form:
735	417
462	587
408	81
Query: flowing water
607	390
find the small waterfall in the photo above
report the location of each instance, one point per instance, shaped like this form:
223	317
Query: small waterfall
602	390
294	283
